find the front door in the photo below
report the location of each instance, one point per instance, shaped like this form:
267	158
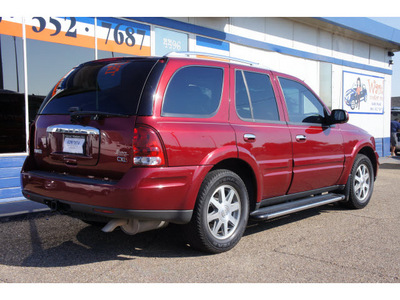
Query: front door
318	154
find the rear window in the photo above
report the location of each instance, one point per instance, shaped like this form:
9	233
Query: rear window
194	91
104	86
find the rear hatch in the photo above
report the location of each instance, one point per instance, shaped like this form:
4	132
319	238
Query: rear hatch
85	125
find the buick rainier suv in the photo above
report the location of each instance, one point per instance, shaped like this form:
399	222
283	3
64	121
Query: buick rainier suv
141	142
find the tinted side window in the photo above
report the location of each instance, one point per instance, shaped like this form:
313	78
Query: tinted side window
262	105
302	105
194	91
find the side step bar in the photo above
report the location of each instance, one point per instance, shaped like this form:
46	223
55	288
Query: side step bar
274	211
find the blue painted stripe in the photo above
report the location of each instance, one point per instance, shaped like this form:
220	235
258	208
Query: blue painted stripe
379	146
386	146
85	20
178	25
5	201
382	146
10	162
10	172
307	55
10	182
212	43
364	74
10	193
10	167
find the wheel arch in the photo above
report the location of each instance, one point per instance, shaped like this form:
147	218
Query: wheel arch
362	147
246	173
369	152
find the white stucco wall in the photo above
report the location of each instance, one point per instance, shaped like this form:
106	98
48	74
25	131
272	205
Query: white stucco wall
308	42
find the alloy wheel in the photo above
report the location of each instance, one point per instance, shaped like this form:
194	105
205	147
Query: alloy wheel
224	211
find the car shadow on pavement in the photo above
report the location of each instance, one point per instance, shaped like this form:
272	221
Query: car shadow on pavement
62	245
256	227
88	244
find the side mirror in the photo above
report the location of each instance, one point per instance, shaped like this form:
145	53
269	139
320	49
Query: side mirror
338	116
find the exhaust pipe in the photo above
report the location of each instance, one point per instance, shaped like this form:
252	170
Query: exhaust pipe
52	204
133	226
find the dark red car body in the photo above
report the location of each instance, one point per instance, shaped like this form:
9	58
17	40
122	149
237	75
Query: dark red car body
277	161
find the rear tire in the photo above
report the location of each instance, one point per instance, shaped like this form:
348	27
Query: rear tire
221	213
360	184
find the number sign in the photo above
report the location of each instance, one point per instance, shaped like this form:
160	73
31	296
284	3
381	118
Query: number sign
112	34
168	41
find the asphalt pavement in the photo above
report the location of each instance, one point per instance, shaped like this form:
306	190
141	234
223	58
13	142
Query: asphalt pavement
327	244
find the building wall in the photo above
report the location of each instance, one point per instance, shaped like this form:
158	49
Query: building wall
36	52
304	51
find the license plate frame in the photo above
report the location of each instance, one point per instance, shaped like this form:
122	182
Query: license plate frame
74	144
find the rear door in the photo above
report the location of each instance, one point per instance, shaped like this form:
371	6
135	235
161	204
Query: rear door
262	135
318	153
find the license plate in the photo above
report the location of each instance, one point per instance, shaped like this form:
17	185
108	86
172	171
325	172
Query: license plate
74	144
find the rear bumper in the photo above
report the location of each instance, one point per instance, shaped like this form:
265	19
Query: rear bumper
174	216
166	194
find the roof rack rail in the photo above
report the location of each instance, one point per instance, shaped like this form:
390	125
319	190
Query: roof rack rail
190	53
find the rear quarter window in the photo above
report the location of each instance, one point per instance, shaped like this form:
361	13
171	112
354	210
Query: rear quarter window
194	91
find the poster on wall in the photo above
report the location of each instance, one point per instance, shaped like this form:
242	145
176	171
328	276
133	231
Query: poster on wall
363	94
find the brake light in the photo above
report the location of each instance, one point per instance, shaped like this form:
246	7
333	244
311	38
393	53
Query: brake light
147	147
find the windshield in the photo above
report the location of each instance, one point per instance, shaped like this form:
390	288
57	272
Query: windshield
103	86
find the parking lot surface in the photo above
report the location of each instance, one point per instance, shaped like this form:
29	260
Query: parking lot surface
326	244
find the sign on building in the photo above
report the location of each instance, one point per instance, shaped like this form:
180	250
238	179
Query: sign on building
363	94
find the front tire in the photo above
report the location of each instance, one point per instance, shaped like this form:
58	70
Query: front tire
360	183
221	213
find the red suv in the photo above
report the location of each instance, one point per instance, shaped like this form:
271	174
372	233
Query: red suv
146	141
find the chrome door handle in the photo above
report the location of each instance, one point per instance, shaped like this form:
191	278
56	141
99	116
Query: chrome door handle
248	137
301	138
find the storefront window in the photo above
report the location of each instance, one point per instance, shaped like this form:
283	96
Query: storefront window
12	99
54	45
49	62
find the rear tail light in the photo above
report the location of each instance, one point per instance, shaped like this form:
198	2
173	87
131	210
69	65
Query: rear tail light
147	147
